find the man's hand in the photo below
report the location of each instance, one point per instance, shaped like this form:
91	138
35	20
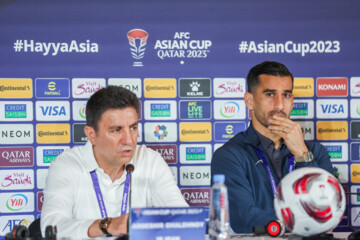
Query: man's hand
291	132
116	227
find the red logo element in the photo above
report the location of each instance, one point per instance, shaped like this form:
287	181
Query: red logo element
16	157
330	87
197	196
137	40
16	179
288	218
168	152
40	201
300	186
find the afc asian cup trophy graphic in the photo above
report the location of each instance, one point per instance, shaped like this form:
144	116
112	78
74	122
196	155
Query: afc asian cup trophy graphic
137	40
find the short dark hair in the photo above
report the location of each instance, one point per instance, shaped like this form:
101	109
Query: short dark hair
268	68
110	97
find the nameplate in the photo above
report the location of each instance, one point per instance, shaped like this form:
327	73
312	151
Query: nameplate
168	223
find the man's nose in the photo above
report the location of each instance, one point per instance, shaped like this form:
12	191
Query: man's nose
279	102
127	137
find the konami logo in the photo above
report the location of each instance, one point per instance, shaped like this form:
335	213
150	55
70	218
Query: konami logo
335	87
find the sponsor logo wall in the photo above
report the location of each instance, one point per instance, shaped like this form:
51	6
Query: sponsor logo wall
190	82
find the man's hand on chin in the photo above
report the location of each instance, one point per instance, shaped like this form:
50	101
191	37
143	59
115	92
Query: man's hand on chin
116	227
291	132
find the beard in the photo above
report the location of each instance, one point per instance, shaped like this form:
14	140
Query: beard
264	119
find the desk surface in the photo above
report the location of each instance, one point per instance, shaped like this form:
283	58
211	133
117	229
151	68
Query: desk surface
338	235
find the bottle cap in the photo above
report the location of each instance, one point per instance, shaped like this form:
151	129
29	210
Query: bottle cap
219	178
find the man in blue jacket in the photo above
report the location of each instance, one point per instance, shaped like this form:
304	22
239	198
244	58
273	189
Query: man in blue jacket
254	161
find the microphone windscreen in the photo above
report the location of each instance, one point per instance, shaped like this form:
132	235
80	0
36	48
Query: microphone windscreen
130	168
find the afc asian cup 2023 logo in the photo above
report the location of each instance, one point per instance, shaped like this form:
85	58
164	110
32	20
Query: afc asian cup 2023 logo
137	40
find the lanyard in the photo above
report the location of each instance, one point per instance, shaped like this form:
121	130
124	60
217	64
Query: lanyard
272	180
99	196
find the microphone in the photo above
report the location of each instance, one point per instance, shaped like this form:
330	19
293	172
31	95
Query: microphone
129	169
274	228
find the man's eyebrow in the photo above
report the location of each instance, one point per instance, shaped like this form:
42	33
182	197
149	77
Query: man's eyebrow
269	90
274	90
134	124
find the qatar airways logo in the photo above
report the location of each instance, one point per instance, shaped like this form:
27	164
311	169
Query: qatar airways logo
229	87
196	196
137	41
20	179
333	87
85	87
15	157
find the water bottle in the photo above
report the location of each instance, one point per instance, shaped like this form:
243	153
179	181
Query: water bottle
219	210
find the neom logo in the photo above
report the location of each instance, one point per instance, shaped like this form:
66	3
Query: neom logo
16	202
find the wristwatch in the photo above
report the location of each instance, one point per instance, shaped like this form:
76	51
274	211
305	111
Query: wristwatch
307	157
104	224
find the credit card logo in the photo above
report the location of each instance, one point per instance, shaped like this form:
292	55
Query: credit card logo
15	111
195	153
302	109
160	110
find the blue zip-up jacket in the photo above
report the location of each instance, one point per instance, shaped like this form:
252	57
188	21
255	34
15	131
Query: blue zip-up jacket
250	193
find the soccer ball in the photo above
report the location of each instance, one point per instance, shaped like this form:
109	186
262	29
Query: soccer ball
309	201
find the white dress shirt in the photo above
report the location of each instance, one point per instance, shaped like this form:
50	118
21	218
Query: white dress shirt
70	202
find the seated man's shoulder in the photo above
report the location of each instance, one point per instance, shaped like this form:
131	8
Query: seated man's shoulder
71	158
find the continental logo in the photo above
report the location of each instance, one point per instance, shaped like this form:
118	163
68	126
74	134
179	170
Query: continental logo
160	87
53	133
303	87
194	132
355	173
332	130
16	88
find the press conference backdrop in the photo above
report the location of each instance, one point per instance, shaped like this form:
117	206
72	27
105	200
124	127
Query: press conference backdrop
187	62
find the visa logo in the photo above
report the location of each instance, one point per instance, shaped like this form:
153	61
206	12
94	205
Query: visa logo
332	108
53	110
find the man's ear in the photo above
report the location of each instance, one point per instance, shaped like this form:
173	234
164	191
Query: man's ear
249	100
90	134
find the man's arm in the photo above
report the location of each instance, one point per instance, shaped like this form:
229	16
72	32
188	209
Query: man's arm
116	227
59	203
244	213
59	197
291	132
